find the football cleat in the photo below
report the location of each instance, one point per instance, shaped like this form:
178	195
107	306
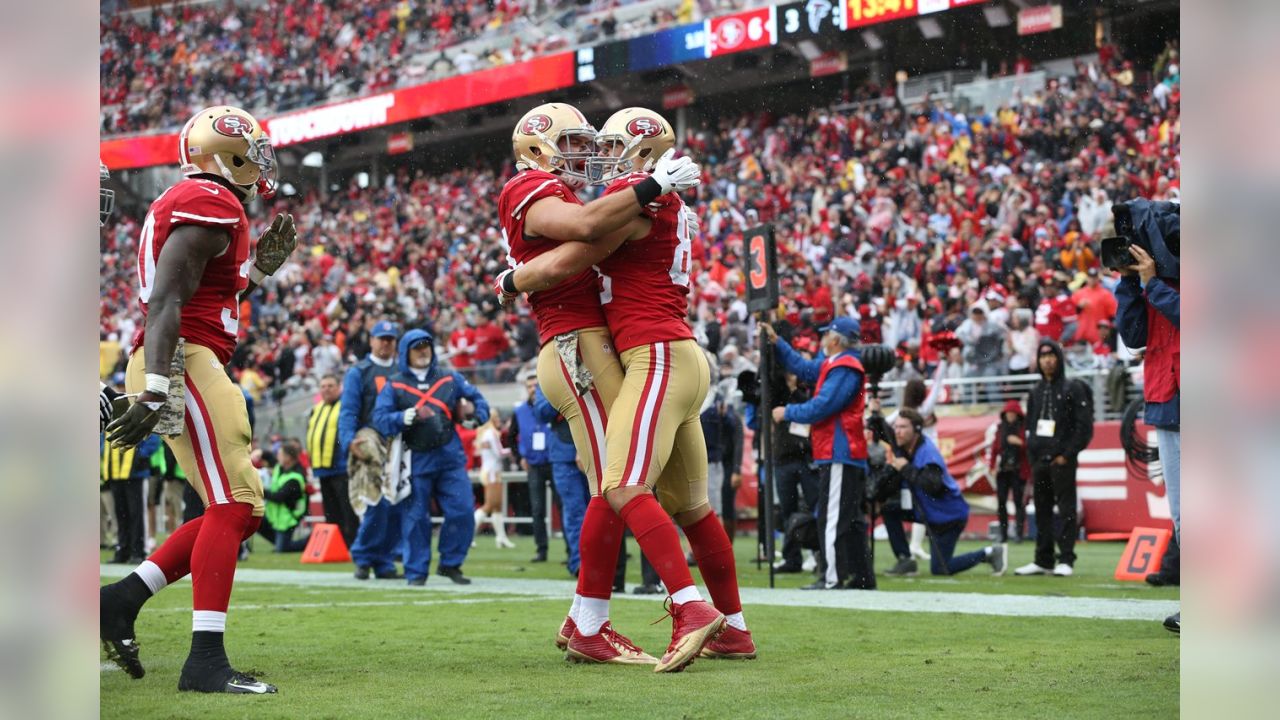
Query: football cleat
606	646
124	653
115	628
693	625
566	631
733	644
237	684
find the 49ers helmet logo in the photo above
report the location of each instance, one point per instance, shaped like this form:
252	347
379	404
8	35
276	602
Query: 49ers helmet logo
233	125
536	124
644	127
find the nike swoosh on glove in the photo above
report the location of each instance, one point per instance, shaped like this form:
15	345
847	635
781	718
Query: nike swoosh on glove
676	174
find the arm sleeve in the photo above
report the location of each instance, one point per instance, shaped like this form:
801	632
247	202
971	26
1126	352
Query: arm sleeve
470	392
1131	312
838	391
806	370
928	479
387	418
1165	300
542	408
349	415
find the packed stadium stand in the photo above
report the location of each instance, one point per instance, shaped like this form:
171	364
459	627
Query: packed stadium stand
904	199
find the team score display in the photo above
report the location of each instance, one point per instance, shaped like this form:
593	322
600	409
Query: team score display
866	12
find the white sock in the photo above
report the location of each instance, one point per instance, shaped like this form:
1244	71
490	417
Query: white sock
592	613
152	575
736	621
917	535
208	620
575	608
686	594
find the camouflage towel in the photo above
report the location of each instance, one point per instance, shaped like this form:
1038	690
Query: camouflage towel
567	347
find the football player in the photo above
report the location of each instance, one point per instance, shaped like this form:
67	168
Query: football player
655	442
577	367
194	266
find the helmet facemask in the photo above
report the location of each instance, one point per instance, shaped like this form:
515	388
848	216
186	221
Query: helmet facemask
615	157
106	196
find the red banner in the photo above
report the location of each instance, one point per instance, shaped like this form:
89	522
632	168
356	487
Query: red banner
828	64
740	31
1116	497
677	96
1039	19
456	93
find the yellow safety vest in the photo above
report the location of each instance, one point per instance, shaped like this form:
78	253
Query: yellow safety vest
322	434
117	463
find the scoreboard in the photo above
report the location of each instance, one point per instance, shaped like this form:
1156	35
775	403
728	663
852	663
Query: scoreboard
748	30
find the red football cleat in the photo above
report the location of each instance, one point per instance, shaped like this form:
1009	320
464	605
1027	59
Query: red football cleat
693	625
606	646
566	631
733	644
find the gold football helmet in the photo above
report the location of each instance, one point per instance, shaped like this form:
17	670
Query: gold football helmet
106	196
228	142
555	137
631	140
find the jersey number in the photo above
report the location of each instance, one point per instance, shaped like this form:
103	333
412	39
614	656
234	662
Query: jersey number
679	271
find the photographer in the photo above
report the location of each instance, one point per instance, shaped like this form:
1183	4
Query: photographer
839	447
797	480
936	498
1149	314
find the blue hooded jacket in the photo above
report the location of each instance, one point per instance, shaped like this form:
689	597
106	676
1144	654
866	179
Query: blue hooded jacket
560	446
405	390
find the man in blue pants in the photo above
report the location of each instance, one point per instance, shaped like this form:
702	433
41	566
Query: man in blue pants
532	440
418	408
936	498
568	478
378	540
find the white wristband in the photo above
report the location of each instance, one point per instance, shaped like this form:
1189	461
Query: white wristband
256	275
157	383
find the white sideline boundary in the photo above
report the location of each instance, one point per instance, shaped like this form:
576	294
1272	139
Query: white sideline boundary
875	601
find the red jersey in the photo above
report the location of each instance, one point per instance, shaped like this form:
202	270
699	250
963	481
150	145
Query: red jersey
644	285
573	304
212	317
1053	315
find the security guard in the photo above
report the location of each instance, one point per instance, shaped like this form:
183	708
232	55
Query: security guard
420	405
126	471
329	459
377	541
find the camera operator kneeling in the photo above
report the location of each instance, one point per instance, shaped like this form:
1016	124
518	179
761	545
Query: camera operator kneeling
936	499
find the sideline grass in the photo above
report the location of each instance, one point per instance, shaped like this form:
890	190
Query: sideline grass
492	656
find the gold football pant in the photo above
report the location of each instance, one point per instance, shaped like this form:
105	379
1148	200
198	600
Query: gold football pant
213	449
587	414
655	437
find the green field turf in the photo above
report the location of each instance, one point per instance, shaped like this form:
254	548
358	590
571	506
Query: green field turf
382	650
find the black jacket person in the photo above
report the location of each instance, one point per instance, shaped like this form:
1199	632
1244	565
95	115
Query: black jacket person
1059	427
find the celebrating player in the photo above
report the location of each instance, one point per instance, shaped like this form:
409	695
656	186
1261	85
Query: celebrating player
194	266
655	440
577	367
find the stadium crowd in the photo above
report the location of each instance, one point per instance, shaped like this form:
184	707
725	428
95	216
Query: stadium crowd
159	67
920	222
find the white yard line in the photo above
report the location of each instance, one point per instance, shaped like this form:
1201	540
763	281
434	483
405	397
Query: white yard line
880	600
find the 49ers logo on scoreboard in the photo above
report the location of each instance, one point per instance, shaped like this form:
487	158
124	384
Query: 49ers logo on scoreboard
536	124
741	31
233	125
644	127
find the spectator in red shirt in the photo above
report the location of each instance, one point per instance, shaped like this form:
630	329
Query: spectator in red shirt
1056	314
1096	304
491	345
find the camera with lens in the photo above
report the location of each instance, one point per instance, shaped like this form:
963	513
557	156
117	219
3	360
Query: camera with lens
1153	226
